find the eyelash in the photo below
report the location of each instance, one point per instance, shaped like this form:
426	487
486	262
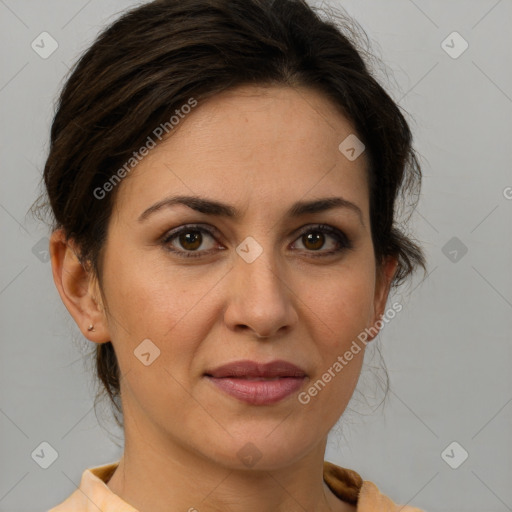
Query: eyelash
344	242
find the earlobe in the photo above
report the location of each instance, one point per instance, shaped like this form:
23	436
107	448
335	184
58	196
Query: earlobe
76	287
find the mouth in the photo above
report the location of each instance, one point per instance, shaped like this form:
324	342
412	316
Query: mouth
255	370
257	383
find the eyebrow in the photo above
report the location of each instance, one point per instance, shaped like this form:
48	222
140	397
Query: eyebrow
216	208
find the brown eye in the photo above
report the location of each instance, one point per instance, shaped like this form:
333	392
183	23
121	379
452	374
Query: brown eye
314	238
190	240
313	241
186	240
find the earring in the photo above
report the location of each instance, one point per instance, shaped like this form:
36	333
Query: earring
90	328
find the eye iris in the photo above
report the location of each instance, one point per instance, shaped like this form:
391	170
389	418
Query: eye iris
191	237
310	237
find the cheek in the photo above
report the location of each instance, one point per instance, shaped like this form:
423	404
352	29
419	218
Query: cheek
342	302
148	296
340	308
154	302
171	306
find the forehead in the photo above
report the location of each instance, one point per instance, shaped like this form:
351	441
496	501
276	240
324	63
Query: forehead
259	146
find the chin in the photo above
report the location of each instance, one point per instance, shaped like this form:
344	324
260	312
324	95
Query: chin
261	449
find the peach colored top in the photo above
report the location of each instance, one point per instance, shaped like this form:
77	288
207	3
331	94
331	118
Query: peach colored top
93	494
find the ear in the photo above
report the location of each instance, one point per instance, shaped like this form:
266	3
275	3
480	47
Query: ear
382	286
78	289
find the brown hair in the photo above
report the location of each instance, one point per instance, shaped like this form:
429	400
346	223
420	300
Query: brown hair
155	57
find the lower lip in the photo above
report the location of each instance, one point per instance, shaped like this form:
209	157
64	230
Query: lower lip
259	392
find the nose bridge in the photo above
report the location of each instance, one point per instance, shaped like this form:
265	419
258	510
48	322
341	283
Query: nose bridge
258	267
259	298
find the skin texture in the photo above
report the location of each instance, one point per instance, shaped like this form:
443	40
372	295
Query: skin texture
259	150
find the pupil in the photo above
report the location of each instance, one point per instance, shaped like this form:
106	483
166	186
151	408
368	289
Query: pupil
191	238
319	243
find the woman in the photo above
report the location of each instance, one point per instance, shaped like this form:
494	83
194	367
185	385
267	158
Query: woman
223	177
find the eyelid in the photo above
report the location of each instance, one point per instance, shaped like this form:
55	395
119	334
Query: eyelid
173	233
339	235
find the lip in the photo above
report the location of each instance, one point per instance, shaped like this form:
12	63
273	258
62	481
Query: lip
247	369
258	383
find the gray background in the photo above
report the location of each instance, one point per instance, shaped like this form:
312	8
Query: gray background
448	352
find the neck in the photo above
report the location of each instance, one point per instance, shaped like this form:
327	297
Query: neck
156	480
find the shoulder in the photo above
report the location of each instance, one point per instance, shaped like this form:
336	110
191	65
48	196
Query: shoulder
370	499
93	494
350	487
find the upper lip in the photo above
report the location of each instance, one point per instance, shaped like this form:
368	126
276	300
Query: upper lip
273	369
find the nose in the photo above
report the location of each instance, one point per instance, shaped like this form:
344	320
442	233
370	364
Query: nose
260	299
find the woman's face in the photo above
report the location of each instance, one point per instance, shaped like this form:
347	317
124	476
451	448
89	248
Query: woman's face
261	285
